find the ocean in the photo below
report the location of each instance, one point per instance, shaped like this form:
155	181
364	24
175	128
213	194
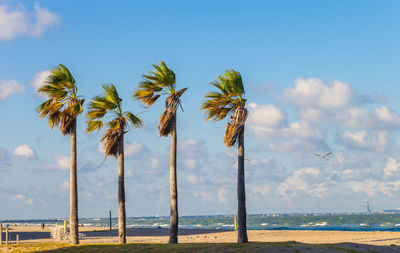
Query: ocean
316	221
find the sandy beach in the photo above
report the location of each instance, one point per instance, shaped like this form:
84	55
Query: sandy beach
160	235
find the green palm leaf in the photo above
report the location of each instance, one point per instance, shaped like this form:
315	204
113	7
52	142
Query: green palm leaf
109	103
63	105
227	99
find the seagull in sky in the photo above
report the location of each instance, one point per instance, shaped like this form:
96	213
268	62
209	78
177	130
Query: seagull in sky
323	155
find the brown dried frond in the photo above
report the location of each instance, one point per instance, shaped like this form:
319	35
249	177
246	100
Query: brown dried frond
112	138
67	122
166	123
234	127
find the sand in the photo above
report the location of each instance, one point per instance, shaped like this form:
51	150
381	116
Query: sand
160	235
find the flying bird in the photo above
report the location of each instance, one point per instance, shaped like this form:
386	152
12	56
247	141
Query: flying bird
323	155
244	159
9	164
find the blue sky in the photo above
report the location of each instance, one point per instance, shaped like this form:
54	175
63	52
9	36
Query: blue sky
320	76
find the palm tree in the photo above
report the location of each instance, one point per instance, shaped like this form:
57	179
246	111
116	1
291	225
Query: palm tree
229	99
62	108
110	103
161	81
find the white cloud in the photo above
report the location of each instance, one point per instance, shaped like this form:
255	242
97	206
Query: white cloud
190	163
205	196
191	148
387	116
62	162
22	198
223	196
44	19
363	140
263	190
312	92
100	148
9	88
154	162
266	115
24	151
17	21
134	150
372	187
194	179
303	180
39	80
391	166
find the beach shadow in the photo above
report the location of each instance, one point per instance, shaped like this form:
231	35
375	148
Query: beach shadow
151	232
27	235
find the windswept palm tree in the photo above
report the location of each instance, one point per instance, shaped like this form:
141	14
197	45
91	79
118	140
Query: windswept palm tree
158	82
62	109
108	107
229	100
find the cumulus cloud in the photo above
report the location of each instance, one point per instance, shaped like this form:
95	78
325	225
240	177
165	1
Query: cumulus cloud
223	196
372	187
194	179
190	163
268	121
363	140
24	151
10	87
313	92
135	150
39	80
391	166
192	151
302	181
62	162
23	199
154	162
266	115
18	21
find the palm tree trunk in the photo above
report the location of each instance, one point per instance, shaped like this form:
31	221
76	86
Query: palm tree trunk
173	229
241	194
73	190
121	194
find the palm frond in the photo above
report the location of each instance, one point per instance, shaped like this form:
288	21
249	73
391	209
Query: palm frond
135	121
156	82
63	105
227	99
109	103
94	124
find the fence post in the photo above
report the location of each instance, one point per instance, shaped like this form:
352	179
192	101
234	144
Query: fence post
1	234
17	238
